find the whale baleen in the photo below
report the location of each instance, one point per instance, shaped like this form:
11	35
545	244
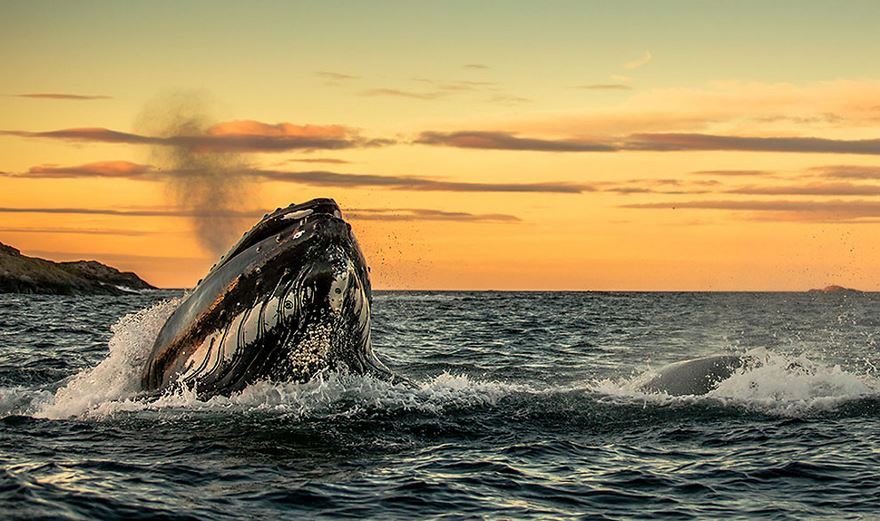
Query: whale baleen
289	300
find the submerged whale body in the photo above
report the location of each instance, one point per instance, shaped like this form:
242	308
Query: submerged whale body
289	300
694	377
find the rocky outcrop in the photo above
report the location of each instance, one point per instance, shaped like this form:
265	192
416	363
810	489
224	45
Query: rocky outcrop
834	289
22	274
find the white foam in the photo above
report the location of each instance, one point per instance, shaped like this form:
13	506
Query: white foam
117	377
773	383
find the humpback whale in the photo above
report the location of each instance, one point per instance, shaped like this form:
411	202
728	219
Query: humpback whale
289	300
694	377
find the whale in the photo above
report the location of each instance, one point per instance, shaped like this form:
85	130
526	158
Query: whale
694	377
290	300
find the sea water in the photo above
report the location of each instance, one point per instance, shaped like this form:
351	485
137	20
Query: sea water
524	406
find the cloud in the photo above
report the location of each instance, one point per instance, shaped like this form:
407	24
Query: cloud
508	99
605	86
834	109
644	59
826	189
656	186
110	169
140	212
508	141
327	160
827	211
336	76
232	136
128	170
733	173
475	66
78	231
420	214
325	178
92	134
399	93
663	142
654	142
847	171
62	96
363	214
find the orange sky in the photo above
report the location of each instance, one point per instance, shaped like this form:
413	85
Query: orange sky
569	145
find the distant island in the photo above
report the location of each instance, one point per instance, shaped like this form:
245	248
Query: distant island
22	274
834	289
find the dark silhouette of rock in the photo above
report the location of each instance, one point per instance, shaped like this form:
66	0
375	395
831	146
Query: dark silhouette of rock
834	289
22	274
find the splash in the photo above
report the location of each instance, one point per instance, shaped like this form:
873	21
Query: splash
117	377
208	184
771	382
112	387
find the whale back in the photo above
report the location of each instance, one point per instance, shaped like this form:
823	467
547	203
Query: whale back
694	377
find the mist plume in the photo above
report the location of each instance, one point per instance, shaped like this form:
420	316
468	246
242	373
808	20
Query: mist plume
209	184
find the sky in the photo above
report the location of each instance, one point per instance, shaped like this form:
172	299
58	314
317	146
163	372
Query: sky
473	145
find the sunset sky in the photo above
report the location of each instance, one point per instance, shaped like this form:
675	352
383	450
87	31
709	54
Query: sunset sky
473	145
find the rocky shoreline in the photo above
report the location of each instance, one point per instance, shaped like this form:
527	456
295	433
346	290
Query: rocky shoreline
22	274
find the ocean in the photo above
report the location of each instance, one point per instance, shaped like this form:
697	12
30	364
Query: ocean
525	406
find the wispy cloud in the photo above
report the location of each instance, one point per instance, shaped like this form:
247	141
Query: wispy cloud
476	66
232	136
140	212
508	141
654	142
826	211
420	214
508	99
400	93
733	173
325	160
679	142
644	59
78	231
605	86
824	189
111	169
62	96
128	170
847	171
335	76
363	214
325	178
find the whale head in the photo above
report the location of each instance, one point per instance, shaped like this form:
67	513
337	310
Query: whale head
289	300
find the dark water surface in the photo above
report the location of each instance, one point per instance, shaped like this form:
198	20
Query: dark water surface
525	408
